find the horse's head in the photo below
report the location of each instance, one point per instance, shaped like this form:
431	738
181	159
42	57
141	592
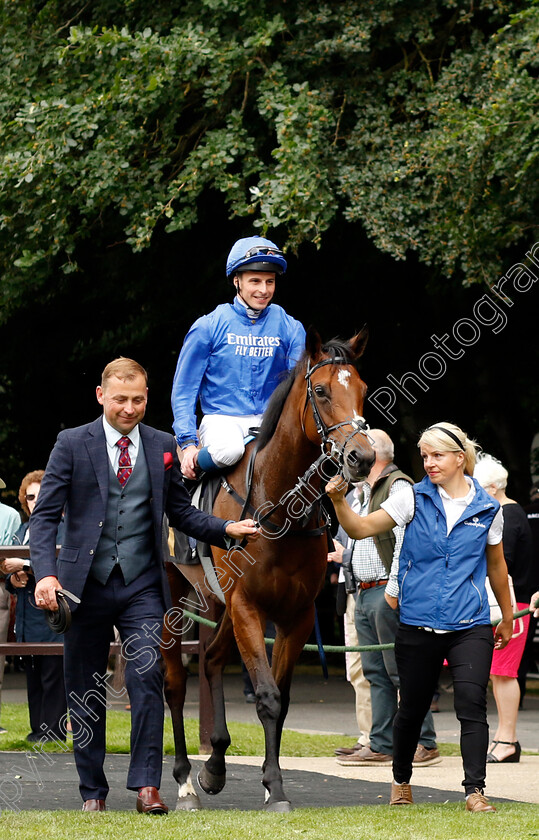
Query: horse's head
333	414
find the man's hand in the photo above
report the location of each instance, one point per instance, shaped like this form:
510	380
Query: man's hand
337	488
336	556
534	604
392	601
45	593
188	460
244	528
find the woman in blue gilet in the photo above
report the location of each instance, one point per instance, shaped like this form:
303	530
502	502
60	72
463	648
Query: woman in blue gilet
453	539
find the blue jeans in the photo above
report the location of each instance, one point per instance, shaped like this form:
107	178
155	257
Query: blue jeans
376	624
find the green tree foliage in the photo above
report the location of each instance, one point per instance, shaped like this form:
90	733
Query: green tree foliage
416	118
138	140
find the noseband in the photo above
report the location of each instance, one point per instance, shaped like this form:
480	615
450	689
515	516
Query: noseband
328	445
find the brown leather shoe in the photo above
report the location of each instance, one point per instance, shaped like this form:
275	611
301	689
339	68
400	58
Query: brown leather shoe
424	757
349	750
94	805
364	758
149	801
401	794
476	802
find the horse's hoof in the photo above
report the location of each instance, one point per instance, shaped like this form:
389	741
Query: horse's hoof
191	802
210	782
282	807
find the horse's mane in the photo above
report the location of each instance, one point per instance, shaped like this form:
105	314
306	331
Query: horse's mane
337	350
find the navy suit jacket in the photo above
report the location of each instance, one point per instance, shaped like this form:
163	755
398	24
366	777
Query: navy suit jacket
76	481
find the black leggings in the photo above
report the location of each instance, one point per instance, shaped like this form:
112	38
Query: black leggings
420	655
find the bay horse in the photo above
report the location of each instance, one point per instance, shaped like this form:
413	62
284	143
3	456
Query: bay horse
279	482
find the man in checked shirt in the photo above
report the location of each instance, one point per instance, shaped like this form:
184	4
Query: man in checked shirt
375	566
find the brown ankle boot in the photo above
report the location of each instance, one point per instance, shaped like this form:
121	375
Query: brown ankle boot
401	794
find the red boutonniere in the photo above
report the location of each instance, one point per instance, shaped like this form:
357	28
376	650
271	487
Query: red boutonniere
167	460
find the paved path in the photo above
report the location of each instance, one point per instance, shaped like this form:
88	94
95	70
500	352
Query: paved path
33	783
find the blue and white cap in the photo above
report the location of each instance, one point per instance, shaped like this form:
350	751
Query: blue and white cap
257	254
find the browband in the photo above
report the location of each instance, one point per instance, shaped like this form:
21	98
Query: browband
447	432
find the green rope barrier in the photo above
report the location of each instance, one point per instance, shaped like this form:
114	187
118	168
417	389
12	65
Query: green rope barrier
330	648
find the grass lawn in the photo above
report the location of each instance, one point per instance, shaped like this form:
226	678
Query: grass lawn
247	738
417	822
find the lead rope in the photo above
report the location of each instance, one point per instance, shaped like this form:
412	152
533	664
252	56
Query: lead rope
321	651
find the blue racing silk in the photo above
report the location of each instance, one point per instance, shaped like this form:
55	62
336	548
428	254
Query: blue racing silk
232	364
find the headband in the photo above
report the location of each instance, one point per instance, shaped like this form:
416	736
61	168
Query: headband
450	434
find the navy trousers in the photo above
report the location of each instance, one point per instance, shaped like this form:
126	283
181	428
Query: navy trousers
46	695
136	610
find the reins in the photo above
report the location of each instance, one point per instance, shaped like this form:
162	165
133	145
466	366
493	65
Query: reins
301	484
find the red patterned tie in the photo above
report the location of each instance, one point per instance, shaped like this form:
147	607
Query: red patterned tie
124	464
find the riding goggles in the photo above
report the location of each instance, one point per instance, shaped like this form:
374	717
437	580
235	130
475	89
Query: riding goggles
262	252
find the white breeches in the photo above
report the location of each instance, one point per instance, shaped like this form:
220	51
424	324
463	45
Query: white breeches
223	435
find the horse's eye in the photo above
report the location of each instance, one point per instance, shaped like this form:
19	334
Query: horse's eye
320	391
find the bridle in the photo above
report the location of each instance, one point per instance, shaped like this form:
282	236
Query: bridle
330	446
330	449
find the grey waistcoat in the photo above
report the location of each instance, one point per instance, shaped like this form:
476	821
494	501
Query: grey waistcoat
127	537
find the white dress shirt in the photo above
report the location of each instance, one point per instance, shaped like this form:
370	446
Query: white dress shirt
112	436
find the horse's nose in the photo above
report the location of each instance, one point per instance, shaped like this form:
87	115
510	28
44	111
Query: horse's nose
359	462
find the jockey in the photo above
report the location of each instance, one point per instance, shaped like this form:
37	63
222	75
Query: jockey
232	359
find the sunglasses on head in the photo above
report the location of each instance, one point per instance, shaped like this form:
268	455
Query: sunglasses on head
263	252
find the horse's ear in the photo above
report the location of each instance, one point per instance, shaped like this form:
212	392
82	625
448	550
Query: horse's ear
313	344
358	342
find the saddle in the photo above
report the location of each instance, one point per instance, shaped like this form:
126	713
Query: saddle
187	550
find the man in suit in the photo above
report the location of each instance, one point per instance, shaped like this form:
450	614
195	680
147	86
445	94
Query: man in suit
115	478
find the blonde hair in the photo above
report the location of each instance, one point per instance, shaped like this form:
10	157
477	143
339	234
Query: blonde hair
446	437
489	470
124	369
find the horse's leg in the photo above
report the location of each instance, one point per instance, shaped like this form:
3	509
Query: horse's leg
283	680
175	686
286	651
212	776
289	647
250	638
